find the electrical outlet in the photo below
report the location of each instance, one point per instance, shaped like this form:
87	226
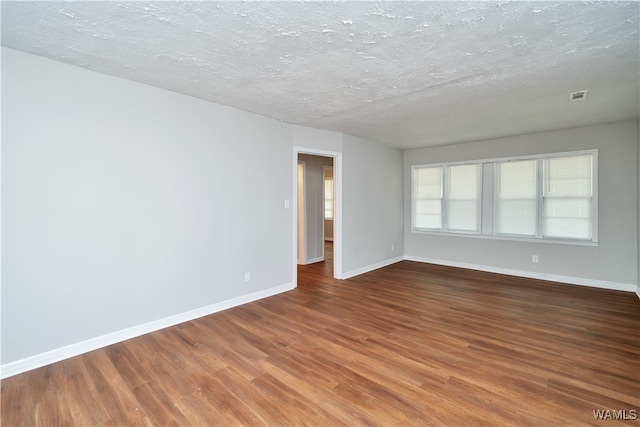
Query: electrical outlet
534	259
392	248
247	276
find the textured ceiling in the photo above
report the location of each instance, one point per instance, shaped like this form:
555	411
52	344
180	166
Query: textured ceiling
407	74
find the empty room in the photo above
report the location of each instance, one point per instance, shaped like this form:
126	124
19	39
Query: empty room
320	213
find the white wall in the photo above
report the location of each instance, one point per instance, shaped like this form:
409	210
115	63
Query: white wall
123	204
613	263
127	208
372	205
316	139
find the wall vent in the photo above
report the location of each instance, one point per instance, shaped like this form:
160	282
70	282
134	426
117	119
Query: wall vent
578	96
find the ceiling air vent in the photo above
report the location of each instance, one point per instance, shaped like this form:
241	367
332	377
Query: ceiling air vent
578	96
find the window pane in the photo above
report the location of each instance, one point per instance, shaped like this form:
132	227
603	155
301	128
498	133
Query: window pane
568	176
517	217
328	188
516	198
463	198
568	208
428	214
428	198
462	215
568	186
568	228
328	209
328	198
427	206
463	182
518	179
427	221
429	182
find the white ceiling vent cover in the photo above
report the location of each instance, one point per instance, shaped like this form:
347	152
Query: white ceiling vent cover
578	96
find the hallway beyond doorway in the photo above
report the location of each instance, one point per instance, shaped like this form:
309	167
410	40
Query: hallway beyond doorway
319	271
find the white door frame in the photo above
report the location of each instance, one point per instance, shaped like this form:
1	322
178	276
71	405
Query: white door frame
337	213
300	211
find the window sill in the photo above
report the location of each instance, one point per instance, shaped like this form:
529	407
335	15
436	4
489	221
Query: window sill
508	238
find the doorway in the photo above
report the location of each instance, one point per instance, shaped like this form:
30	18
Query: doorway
313	214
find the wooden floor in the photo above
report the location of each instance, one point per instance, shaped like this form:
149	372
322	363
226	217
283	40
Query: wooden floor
410	344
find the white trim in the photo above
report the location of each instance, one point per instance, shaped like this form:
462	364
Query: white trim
638	291
312	260
300	247
337	208
505	237
76	349
604	284
337	216
592	151
371	267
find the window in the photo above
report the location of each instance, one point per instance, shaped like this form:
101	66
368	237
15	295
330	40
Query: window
568	197
463	198
549	197
428	198
447	198
328	193
516	198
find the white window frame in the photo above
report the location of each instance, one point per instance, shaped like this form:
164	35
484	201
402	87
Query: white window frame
445	198
537	202
414	198
489	200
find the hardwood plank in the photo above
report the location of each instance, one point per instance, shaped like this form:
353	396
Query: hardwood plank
158	406
106	383
227	407
409	344
78	394
322	397
294	407
125	363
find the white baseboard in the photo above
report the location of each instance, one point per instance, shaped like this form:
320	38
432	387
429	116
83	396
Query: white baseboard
371	267
531	274
638	291
37	361
312	260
